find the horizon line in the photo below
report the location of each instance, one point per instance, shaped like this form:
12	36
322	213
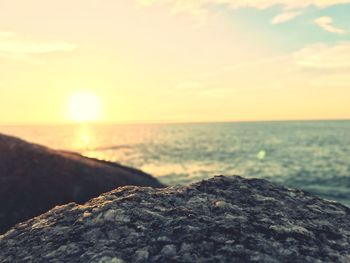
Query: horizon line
164	122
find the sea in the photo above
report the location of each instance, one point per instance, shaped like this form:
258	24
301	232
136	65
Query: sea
310	155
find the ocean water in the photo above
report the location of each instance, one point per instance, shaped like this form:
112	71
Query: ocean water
311	155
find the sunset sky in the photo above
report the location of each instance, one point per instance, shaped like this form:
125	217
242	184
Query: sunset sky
174	60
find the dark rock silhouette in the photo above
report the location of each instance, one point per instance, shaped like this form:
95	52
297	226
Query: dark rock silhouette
34	179
225	219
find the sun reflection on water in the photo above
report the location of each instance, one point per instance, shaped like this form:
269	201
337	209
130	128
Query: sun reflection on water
84	138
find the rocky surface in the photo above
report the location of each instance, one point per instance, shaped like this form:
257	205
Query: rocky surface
34	179
225	219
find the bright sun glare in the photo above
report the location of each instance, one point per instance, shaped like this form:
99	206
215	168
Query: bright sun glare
84	107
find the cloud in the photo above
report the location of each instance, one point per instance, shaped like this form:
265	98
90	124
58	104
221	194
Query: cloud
11	46
338	80
326	23
200	9
243	66
234	4
306	65
285	17
322	56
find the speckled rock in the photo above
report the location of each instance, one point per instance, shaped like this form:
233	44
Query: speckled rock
224	219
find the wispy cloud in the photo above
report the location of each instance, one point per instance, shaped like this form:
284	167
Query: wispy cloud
326	23
322	56
12	46
307	65
242	66
260	4
201	7
285	17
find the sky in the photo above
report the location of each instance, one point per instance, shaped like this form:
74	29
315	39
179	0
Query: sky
174	60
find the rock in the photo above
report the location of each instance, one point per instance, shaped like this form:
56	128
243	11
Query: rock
168	251
224	219
34	179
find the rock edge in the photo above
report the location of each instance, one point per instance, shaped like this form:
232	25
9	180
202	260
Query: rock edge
224	219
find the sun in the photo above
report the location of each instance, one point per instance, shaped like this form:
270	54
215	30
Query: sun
84	106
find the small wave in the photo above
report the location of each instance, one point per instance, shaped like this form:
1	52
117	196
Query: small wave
110	148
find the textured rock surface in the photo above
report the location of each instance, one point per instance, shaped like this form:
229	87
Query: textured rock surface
225	219
34	179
